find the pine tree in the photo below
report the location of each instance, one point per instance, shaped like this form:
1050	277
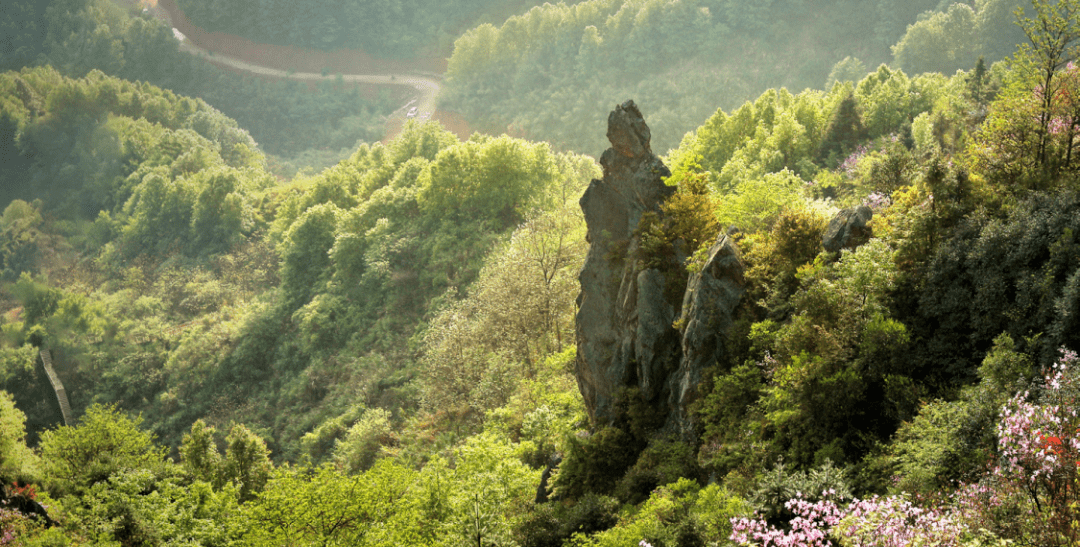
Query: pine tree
845	131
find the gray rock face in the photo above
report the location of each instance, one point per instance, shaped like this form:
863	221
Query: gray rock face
707	315
625	332
848	229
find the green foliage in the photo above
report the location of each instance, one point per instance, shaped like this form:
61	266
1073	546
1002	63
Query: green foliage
490	483
889	98
498	178
553	72
551	524
664	461
730	404
426	291
39	301
779	485
138	507
778	132
199	454
305	254
755	204
1011	274
104	444
596	463
247	462
808	397
21	240
673	241
943	42
934	450
951	441
848	69
844	132
519	310
679	513
286	117
381	29
360	447
319	442
126	154
17	461
1028	138
543	412
325	506
691	210
774	257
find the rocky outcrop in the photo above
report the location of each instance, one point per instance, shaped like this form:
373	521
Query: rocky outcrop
848	229
626	332
707	315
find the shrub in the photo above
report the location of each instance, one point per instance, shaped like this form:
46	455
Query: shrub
663	461
105	442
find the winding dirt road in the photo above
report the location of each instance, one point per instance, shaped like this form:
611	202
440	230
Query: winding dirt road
233	52
427	87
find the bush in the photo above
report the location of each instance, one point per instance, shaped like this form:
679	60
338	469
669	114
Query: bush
17	462
663	461
596	463
105	442
363	441
551	524
778	486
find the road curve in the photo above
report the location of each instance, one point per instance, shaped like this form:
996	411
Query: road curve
427	87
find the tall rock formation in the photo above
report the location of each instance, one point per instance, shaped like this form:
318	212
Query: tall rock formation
626	312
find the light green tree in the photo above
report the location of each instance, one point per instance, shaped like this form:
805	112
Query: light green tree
218	211
360	447
247	462
16	460
325	506
105	442
1029	136
1052	35
944	42
199	454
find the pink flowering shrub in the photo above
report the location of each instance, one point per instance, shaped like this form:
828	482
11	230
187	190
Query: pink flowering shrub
1031	494
810	526
850	165
896	522
15	525
880	522
877	201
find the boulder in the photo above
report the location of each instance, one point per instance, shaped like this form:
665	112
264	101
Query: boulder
848	229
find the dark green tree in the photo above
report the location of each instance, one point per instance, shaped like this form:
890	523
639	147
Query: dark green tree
844	132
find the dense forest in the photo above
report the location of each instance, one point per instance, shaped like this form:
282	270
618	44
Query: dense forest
390	351
551	73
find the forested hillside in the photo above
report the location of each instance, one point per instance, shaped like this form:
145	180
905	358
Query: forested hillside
289	121
552	73
402	349
364	248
